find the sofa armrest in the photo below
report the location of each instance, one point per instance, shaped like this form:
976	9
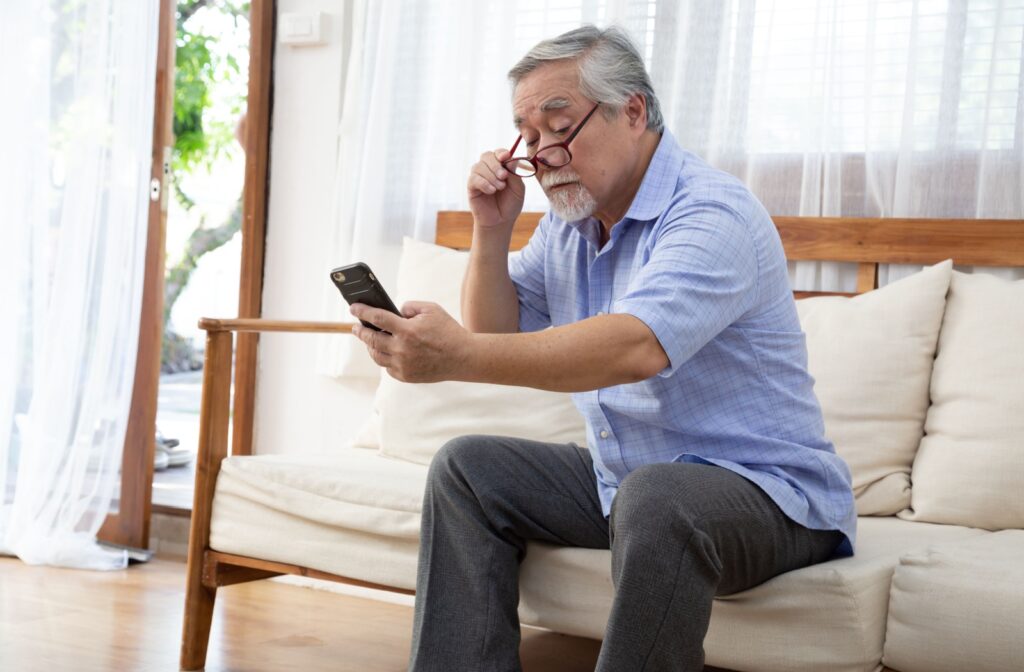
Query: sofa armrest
214	416
251	324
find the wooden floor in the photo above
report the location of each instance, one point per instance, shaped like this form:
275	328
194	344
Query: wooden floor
128	621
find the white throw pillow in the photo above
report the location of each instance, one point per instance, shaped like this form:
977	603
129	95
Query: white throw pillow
970	468
415	420
871	357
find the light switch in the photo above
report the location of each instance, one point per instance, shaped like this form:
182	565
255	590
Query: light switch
300	26
300	29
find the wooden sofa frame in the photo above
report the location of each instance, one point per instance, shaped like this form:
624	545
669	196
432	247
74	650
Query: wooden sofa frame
866	242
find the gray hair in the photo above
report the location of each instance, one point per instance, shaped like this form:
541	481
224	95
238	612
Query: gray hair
610	66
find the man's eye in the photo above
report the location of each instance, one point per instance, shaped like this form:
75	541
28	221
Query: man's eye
531	143
563	131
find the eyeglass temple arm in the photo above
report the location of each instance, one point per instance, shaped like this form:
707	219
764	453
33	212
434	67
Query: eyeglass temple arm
512	152
579	126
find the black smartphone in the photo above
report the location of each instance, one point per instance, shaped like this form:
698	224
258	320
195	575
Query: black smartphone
358	284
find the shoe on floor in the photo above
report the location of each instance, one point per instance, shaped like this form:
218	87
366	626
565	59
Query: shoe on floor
170	443
176	457
160	459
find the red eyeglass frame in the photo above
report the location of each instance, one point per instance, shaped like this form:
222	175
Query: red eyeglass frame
564	145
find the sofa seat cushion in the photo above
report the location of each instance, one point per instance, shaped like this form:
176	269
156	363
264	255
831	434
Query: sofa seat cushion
830	616
958	606
354	513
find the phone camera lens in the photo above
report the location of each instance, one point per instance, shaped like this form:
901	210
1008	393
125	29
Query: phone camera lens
338	275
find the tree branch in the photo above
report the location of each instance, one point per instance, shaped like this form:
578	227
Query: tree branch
185	12
201	241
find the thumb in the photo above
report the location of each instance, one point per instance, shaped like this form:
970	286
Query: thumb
414	308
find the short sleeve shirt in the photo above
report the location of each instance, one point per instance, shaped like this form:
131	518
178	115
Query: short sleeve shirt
699	261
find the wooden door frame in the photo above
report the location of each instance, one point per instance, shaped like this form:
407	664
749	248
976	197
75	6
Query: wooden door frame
262	23
130	525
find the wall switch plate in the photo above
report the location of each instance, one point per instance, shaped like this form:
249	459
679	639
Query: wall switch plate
301	29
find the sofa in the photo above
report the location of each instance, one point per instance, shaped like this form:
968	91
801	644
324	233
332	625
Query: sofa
921	383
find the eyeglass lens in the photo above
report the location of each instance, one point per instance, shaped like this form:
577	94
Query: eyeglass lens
552	157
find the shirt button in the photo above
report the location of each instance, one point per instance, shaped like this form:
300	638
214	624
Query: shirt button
604	433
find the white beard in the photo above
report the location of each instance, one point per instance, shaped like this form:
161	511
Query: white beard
570	203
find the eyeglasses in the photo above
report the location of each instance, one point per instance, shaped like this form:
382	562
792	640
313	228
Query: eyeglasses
551	156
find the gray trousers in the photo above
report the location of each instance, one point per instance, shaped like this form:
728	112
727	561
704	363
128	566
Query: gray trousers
679	535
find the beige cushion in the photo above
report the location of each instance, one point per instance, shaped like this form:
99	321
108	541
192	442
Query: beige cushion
354	513
970	468
871	358
415	420
959	606
825	617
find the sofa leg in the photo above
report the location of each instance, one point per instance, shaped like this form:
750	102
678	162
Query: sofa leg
195	636
213	447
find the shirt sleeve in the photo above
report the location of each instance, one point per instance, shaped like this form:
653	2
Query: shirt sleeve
701	277
527	272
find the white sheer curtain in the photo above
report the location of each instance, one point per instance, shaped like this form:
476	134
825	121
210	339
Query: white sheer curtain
876	108
78	82
870	108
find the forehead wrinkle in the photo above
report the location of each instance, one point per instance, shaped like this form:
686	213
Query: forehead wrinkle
557	103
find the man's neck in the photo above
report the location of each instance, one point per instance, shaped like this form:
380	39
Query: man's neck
616	211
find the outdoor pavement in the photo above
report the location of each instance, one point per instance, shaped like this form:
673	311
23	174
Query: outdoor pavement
177	417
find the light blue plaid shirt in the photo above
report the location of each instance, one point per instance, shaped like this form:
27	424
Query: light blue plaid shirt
698	259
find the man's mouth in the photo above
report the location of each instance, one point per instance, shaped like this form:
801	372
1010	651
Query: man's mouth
556	187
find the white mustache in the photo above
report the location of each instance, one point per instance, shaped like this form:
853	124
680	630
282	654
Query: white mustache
554	179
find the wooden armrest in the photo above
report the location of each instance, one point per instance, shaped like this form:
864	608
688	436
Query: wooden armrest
211	324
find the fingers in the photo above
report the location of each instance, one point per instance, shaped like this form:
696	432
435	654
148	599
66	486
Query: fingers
493	163
480	184
374	340
381	359
488	176
378	345
378	317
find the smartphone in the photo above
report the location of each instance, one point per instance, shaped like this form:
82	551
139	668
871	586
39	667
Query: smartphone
358	284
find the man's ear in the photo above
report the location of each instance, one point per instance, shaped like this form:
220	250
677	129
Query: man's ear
635	110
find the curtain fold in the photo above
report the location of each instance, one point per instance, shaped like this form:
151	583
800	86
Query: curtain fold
74	205
870	108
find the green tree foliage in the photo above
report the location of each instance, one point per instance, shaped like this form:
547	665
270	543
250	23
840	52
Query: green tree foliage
198	142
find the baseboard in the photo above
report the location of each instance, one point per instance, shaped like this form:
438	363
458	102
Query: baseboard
168	535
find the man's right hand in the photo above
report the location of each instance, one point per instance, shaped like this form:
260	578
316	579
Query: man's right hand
495	194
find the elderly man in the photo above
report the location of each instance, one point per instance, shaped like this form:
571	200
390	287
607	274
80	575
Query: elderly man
656	291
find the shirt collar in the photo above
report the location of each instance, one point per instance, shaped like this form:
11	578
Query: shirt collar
659	184
655	192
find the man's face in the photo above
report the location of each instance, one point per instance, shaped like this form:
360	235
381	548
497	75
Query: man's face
547	107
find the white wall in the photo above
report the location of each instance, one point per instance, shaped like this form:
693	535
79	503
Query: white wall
297	409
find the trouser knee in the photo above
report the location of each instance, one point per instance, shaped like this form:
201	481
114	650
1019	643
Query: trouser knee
454	460
643	501
653	520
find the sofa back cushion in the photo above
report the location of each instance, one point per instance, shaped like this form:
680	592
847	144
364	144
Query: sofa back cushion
970	468
871	357
415	420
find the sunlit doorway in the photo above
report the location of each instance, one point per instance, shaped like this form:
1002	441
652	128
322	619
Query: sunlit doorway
203	225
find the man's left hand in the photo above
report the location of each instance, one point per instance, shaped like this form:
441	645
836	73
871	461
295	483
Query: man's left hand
425	345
